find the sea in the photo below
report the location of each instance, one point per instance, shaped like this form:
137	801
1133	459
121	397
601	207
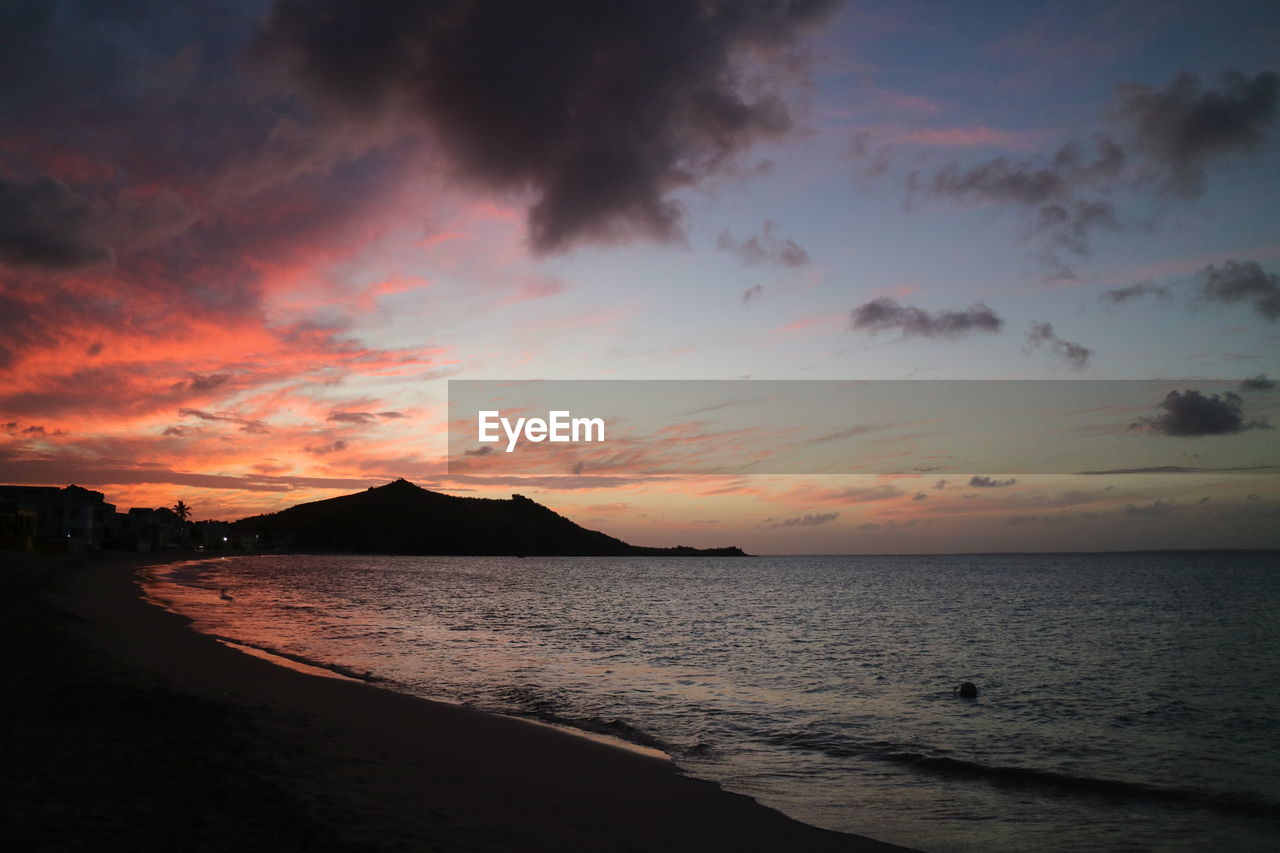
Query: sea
1126	701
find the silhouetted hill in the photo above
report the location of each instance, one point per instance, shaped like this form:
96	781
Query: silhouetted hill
401	518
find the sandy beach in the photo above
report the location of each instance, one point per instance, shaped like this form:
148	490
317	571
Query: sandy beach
134	729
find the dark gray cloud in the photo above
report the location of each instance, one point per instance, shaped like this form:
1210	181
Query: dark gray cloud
43	224
1134	291
1190	413
1069	226
884	314
765	248
809	520
1183	126
980	482
1171	136
1042	337
79	71
599	110
752	293
1061	216
1027	184
1257	383
1242	281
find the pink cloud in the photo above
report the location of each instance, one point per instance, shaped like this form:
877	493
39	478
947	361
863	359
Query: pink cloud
979	136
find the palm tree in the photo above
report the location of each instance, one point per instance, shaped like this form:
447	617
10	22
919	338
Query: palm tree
181	510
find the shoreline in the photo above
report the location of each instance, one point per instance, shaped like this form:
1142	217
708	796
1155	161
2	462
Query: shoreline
411	773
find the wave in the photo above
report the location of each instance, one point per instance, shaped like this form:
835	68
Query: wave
617	728
327	666
1051	780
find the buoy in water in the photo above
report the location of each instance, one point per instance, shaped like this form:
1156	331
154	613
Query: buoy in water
966	690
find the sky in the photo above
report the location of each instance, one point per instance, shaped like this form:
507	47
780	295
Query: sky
245	245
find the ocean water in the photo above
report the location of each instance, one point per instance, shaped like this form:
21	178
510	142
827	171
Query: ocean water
1126	701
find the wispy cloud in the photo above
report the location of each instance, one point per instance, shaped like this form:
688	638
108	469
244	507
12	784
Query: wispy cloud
764	248
808	520
1042	337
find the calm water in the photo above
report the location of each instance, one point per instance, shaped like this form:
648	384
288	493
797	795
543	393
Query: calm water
1127	701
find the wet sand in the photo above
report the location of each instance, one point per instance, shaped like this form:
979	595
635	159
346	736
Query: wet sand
260	756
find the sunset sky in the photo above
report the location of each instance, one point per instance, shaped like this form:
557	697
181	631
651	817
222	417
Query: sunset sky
244	245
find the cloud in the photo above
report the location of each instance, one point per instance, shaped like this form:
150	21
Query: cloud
884	314
848	496
1069	226
765	248
46	226
1157	507
14	428
1023	183
198	384
246	424
809	520
920	496
324	449
752	293
1190	413
1178	469
1257	383
847	432
977	136
1171	135
1134	291
1042	336
1061	216
1181	127
600	112
353	417
979	482
1242	281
